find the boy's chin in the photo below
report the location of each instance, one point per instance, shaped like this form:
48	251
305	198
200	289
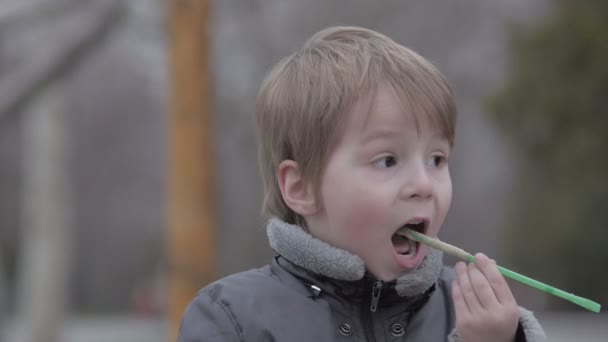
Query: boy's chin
398	267
388	276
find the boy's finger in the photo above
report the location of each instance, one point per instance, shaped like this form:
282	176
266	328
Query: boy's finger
464	282
460	305
497	281
482	287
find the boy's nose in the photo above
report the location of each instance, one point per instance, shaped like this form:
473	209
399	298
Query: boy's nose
418	184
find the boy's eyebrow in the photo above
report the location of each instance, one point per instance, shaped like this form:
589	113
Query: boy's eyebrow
385	132
441	136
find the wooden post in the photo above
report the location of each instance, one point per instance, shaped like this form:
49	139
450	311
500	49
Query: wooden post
191	206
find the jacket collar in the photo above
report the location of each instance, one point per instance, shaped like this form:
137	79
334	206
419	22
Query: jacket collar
331	263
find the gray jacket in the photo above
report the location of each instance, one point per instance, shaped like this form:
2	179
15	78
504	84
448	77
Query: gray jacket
315	292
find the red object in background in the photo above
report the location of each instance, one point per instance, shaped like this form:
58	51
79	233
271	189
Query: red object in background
144	303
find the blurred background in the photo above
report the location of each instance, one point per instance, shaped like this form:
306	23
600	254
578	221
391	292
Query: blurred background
88	91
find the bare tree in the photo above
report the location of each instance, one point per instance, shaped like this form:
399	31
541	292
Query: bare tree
44	261
46	204
88	25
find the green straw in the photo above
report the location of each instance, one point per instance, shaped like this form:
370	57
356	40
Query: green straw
459	253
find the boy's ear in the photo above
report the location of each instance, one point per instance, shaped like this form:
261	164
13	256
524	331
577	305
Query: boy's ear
297	194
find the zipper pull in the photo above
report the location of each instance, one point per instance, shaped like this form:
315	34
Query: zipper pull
376	289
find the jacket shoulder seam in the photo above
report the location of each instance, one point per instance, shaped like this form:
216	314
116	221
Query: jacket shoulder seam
228	313
270	273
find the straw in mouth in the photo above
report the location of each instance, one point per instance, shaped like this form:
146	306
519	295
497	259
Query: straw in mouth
403	245
462	254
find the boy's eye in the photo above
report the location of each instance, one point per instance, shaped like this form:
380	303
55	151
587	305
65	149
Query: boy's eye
438	160
386	162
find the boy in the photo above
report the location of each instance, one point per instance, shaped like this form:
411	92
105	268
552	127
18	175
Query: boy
355	134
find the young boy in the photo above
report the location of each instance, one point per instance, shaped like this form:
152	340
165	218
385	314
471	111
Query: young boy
355	135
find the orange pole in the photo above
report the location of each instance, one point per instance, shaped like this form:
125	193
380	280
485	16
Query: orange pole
191	208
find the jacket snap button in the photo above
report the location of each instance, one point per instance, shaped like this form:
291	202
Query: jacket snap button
397	329
345	329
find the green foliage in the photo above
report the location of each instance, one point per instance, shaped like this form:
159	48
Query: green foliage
554	106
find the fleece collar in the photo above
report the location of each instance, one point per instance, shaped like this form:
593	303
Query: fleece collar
301	248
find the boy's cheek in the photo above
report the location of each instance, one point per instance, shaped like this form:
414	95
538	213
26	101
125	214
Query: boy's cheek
361	225
359	216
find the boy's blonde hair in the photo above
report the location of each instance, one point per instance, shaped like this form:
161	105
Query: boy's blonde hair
302	101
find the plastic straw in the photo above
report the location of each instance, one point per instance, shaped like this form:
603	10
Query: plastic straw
460	253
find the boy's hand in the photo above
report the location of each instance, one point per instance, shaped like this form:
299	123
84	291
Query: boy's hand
485	307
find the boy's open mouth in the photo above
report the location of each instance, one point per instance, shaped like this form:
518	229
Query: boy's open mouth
402	244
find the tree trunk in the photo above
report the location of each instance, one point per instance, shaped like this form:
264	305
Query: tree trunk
191	240
44	259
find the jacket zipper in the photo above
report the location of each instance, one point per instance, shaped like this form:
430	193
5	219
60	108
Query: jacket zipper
366	311
376	290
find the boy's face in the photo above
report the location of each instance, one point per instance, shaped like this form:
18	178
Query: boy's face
383	174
